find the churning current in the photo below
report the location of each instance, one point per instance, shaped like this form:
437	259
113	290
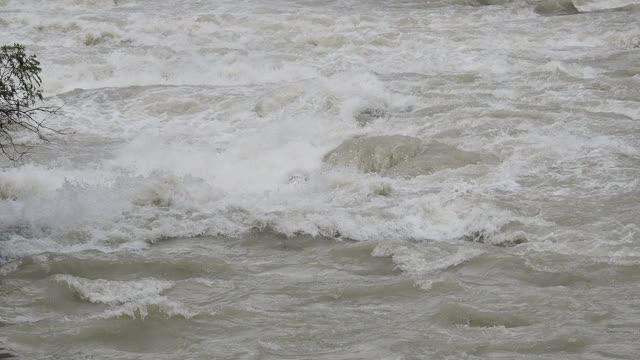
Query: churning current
326	179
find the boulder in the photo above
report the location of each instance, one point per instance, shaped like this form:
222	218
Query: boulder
397	155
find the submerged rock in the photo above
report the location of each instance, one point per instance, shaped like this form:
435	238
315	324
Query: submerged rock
396	155
484	238
276	100
382	189
482	2
458	314
298	177
476	236
367	115
556	7
375	154
513	242
5	354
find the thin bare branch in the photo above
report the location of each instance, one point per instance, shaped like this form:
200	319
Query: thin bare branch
20	92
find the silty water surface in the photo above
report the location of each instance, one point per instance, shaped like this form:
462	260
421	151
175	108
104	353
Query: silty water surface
451	179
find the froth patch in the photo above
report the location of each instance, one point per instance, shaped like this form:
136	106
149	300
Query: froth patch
30	181
421	262
136	299
12	190
113	292
626	40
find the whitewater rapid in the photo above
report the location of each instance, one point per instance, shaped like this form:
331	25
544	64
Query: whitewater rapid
446	136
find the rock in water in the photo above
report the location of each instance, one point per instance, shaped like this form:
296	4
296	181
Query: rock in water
396	155
4	354
483	237
368	115
556	7
434	157
375	154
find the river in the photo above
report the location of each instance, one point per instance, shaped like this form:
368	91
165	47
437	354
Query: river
326	179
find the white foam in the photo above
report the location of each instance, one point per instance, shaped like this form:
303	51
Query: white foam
130	298
216	122
422	263
591	5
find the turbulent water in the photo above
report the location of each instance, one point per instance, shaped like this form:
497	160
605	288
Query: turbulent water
326	179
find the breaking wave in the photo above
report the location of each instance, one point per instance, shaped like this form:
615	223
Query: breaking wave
135	299
184	128
571	7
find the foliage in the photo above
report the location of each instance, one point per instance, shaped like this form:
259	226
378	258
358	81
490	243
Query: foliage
20	91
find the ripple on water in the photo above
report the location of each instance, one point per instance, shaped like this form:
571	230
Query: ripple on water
458	314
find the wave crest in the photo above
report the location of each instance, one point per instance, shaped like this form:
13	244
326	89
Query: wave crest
136	299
